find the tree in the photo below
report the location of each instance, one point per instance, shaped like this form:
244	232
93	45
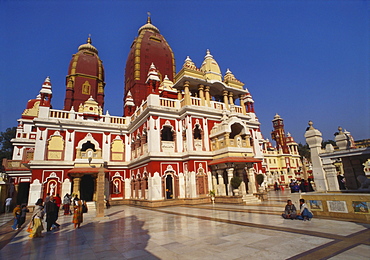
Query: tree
304	151
6	150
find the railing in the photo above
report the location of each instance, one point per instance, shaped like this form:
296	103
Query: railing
166	102
238	109
59	114
195	101
217	105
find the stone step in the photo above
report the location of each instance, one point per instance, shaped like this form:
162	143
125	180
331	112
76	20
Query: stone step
91	205
250	198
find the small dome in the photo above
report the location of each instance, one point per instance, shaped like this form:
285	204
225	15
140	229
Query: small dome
210	68
88	46
149	26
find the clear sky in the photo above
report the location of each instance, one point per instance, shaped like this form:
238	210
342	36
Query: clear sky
305	60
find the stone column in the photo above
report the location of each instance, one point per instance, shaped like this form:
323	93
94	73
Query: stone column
331	175
225	94
242	104
221	184
179	94
201	95
231	98
314	139
252	181
76	185
208	97
230	174
100	194
187	98
242	188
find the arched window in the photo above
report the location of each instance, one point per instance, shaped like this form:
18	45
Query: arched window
197	133
88	145
236	129
166	133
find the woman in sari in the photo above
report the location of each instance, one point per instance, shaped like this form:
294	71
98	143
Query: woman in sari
35	227
77	216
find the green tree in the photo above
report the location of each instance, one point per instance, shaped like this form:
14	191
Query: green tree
304	151
6	150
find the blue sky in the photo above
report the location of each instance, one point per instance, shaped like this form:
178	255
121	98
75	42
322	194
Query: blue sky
305	60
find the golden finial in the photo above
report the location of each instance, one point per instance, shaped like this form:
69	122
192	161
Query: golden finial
149	20
89	39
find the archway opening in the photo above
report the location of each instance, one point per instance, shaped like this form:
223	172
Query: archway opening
87	188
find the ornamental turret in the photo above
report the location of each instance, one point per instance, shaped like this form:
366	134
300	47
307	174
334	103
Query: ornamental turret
43	99
85	77
210	68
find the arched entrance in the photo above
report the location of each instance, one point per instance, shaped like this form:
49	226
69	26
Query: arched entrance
87	187
169	187
23	190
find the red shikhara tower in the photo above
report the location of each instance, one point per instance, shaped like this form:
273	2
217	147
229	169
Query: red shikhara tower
85	77
147	48
279	134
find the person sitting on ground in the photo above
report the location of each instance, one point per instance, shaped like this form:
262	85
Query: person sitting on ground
290	211
305	213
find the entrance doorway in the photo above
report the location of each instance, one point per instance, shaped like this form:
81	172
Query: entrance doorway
169	188
87	188
23	190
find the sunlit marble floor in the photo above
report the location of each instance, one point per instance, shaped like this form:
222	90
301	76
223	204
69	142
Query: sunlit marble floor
194	232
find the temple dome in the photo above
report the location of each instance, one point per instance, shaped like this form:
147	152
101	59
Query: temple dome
210	68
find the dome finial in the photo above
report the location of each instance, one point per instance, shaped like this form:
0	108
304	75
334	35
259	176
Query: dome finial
149	20
89	39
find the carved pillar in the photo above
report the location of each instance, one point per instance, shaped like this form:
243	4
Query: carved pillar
221	184
76	185
314	139
208	97
227	139
252	181
230	174
231	98
225	94
201	95
242	104
331	175
100	194
187	94
179	94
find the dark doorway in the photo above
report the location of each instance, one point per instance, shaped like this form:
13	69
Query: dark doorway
23	190
87	188
169	189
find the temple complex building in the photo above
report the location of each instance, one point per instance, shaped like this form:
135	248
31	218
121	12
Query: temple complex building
283	162
181	136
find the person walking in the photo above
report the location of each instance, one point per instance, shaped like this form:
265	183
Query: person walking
35	226
51	214
78	214
67	204
17	215
22	218
8	203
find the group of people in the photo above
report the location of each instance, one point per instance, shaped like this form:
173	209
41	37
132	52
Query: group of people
50	208
291	212
303	186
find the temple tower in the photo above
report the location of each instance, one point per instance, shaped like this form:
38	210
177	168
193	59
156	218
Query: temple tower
279	134
148	47
85	77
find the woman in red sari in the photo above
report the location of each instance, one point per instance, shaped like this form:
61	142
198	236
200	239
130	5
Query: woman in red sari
77	216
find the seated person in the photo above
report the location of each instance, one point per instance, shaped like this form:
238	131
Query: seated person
290	211
305	213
